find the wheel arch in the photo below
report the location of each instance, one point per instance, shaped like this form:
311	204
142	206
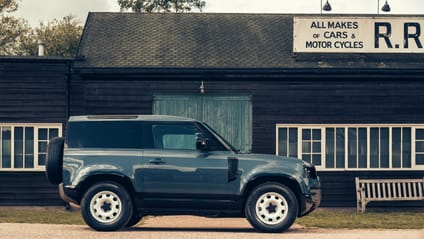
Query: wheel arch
287	181
102	177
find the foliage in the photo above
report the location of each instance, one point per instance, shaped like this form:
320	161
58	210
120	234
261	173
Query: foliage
8	6
161	5
61	37
14	35
14	32
18	38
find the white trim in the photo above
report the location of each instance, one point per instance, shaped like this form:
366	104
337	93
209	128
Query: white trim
368	127
35	126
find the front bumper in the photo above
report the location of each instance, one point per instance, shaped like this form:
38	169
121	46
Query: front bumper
313	199
312	202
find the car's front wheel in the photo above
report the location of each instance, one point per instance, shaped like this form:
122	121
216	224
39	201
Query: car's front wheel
271	207
106	206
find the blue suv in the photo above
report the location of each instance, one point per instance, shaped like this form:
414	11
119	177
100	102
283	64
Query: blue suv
121	168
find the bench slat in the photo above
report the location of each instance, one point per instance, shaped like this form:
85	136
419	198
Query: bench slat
368	190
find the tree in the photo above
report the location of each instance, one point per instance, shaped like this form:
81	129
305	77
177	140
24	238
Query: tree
61	37
14	32
18	38
8	6
161	5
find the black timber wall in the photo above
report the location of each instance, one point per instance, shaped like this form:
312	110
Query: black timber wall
27	189
32	90
280	100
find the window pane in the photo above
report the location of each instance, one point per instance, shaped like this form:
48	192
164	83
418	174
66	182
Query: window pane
29	140
29	160
316	147
282	142
396	144
106	134
316	134
419	134
29	147
374	148
340	148
306	157
306	134
406	148
19	147
42	147
41	159
362	148
306	147
293	142
175	136
42	134
53	133
419	146
180	141
420	159
316	159
384	147
329	148
6	147
352	148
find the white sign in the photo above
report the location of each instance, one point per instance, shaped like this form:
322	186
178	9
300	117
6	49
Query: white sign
358	34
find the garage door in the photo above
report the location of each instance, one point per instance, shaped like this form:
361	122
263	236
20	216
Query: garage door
230	116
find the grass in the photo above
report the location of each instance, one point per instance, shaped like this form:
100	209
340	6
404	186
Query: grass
40	215
374	218
321	218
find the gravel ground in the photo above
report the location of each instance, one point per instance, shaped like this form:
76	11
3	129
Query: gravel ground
186	227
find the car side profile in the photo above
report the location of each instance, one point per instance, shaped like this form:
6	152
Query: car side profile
119	169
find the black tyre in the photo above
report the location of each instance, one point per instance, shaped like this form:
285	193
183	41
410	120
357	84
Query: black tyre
106	206
135	218
54	160
271	207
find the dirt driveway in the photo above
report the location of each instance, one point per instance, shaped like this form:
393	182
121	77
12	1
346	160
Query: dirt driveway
187	227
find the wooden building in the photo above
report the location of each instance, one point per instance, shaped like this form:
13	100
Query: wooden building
351	114
33	108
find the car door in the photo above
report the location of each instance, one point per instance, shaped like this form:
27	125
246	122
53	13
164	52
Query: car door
175	170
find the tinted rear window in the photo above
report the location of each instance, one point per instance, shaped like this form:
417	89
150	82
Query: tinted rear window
104	134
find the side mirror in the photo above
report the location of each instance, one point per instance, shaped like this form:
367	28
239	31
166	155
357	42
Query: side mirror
201	142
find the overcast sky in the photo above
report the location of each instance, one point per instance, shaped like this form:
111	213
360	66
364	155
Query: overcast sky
43	10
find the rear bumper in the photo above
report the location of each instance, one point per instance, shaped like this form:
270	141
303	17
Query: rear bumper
65	195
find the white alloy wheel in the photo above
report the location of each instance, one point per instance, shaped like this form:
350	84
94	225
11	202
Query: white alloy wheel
271	208
105	207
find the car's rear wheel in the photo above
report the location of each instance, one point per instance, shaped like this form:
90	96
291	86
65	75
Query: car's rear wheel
106	206
271	207
54	160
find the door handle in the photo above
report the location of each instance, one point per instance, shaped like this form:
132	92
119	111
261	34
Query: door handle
156	161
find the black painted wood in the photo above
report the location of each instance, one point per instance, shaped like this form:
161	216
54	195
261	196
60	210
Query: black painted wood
31	91
278	101
338	188
27	189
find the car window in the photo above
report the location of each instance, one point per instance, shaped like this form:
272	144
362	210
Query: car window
175	136
104	134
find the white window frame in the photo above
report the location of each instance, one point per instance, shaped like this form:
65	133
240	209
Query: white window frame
323	127
413	144
36	126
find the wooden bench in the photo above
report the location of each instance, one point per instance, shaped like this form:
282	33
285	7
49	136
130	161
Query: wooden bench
368	190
